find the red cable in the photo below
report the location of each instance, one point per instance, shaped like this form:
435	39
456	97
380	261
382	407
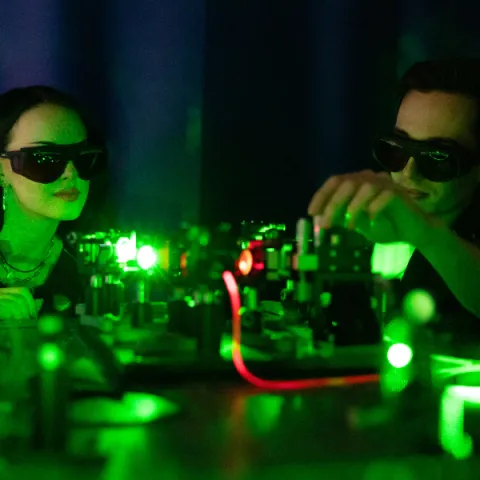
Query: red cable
235	301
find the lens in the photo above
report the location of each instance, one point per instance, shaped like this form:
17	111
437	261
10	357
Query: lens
40	167
438	167
90	163
245	262
437	163
47	167
390	155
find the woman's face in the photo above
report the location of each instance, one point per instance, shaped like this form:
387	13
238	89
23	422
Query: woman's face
50	124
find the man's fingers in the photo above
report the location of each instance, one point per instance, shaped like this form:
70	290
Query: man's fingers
364	196
380	203
338	202
322	196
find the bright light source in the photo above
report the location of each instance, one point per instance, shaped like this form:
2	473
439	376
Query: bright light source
245	262
147	257
399	355
125	249
50	356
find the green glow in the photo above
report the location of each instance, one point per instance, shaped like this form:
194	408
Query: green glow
419	306
263	412
399	355
467	394
61	303
135	408
147	258
145	407
125	356
204	238
272	226
190	301
325	299
391	260
226	349
125	249
453	437
50	356
50	325
395	380
397	331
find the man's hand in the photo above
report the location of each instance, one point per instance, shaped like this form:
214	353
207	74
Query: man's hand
373	205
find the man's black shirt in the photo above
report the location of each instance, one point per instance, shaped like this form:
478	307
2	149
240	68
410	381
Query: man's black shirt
420	274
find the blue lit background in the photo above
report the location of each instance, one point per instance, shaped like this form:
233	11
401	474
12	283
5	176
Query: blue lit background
289	92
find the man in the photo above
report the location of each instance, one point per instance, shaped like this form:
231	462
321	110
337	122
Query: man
429	197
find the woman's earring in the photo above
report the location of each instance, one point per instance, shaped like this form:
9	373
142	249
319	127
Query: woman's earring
4	198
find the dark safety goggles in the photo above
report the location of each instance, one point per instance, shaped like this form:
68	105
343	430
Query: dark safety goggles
435	161
46	164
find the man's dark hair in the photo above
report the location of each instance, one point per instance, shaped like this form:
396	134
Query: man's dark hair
456	75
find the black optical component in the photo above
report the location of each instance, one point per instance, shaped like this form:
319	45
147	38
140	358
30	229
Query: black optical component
46	164
435	161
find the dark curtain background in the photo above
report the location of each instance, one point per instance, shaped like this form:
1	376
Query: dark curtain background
228	110
353	82
294	93
256	129
138	66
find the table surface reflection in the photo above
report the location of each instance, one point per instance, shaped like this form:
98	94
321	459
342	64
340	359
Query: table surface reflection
239	432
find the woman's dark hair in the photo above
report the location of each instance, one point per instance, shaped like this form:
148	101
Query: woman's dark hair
451	75
16	102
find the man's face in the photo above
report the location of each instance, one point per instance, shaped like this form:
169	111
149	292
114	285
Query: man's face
435	115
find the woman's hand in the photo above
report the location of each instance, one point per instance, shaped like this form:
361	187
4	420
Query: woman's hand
18	304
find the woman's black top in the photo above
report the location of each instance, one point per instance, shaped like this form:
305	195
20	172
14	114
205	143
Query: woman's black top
63	288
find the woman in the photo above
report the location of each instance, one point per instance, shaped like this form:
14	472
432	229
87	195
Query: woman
49	152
